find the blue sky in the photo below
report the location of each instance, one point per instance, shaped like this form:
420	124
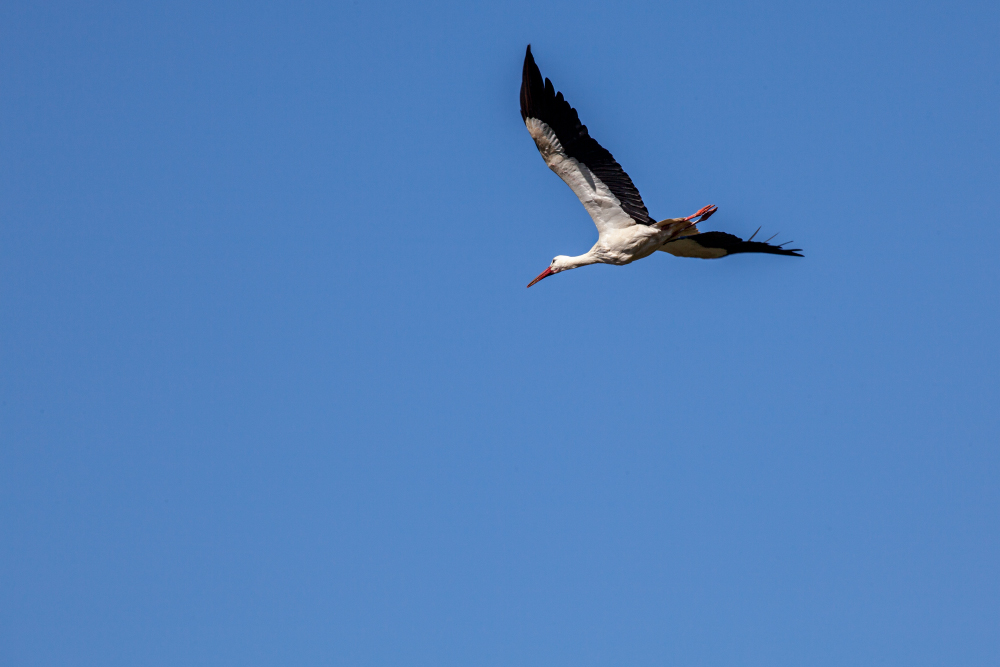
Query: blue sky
273	391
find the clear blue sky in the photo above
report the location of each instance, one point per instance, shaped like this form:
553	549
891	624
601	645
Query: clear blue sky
272	391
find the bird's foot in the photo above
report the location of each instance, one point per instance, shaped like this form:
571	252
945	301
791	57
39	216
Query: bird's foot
703	214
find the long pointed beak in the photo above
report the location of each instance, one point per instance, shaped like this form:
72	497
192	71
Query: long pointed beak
544	274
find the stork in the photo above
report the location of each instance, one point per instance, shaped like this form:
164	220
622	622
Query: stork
625	230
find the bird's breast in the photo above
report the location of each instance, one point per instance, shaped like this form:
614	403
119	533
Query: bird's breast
624	246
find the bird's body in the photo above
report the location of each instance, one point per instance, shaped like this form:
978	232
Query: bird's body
625	230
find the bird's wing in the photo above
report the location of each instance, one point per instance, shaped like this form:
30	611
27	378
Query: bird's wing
603	187
713	245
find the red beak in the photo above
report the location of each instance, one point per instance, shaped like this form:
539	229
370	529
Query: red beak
544	274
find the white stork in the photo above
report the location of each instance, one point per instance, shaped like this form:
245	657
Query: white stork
625	230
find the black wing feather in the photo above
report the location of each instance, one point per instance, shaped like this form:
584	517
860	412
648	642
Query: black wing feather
734	244
540	100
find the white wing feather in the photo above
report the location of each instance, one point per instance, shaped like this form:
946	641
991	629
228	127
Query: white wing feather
605	209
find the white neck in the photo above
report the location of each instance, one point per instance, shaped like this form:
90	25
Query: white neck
567	263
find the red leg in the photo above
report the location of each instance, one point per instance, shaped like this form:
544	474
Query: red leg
704	212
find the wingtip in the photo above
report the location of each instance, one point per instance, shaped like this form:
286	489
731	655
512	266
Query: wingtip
529	59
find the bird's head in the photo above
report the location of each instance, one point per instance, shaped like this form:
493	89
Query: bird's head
559	263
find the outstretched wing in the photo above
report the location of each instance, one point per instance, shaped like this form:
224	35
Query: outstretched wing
601	184
713	245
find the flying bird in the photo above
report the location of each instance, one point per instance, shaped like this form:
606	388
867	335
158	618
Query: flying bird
625	230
